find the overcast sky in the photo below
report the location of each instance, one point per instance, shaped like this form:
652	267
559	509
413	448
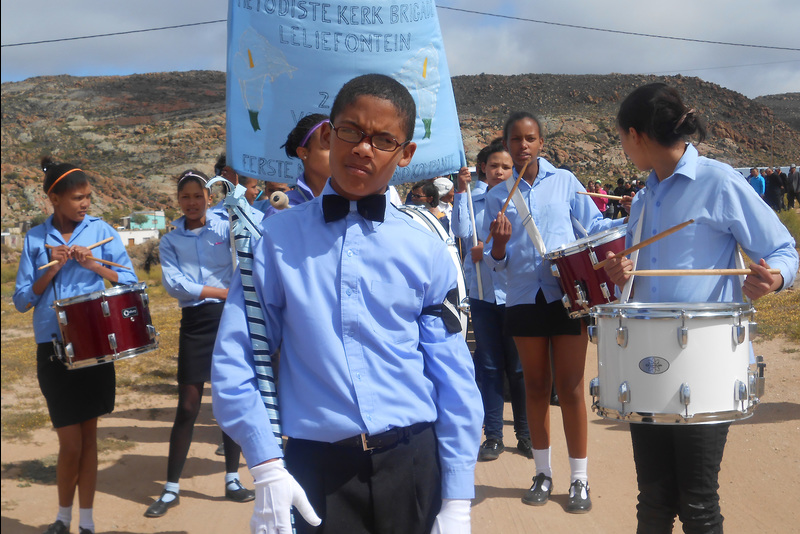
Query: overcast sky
474	43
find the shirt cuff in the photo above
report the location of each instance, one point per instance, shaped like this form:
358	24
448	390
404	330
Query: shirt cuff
458	483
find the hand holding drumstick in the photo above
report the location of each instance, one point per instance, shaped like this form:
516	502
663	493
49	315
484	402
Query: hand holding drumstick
80	254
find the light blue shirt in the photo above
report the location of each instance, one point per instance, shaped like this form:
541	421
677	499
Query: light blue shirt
493	282
343	300
551	200
726	211
300	194
190	261
72	280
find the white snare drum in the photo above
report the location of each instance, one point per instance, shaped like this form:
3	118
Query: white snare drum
428	221
675	363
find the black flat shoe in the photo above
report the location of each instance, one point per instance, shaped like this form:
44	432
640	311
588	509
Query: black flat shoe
160	507
59	527
234	491
579	500
490	450
525	447
537	495
82	530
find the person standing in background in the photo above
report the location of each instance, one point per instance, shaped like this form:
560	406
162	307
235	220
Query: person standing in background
792	186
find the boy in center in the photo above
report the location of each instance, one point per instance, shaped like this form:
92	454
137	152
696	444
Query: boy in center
377	390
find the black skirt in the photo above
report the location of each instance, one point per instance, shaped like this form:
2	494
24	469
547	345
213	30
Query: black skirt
541	319
74	395
196	342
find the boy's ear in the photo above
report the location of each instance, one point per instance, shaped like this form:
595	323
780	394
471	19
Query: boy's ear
408	153
325	135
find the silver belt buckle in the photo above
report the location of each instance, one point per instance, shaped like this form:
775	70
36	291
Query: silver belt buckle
364	446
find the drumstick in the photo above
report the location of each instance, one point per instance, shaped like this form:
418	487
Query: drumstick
696	272
90	247
600	195
510	194
644	243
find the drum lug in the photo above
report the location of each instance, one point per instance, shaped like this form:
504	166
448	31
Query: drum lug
151	331
757	380
622	336
740	392
145	300
594	387
580	299
738	334
69	353
685	394
753	329
104	307
683	332
554	270
112	342
565	301
62	317
593	257
593	332
624	394
604	290
463	306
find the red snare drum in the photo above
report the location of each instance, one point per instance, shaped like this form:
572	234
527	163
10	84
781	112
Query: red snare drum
573	264
104	326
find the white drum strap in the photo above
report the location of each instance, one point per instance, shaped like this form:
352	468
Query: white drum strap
527	219
474	239
626	290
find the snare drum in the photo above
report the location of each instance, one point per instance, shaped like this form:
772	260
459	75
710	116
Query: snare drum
104	326
675	363
573	264
428	221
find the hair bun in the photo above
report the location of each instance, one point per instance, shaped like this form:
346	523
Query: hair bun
47	162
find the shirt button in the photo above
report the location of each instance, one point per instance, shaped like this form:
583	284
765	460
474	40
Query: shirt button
358	375
652	290
349	253
652	260
349	292
655	232
369	417
658	204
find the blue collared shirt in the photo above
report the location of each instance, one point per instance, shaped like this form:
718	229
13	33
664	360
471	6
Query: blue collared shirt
493	282
758	184
726	211
72	280
551	200
343	301
190	261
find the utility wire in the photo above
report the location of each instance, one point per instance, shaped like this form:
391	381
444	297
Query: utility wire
615	31
116	33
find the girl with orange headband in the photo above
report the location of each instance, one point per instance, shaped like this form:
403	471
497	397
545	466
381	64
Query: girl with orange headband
77	397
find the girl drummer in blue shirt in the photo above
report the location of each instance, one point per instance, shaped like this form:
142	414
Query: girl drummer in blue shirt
535	316
75	398
677	466
197	267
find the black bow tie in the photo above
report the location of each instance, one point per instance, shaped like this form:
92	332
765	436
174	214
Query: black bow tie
335	207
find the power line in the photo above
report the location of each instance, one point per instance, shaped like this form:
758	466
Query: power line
620	32
116	33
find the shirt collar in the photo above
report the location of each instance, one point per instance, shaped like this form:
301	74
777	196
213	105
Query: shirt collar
545	169
686	167
51	230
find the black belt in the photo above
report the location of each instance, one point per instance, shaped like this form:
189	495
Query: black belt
368	442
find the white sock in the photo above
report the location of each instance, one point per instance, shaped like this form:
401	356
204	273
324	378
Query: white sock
230	477
578	466
174	487
64	514
86	519
541	457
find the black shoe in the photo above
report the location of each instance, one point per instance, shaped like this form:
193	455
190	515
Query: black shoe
554	400
220	450
59	527
524	446
490	450
239	493
160	507
578	504
537	496
82	530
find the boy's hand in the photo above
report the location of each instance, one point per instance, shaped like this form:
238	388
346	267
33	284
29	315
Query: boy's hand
276	492
60	253
617	269
464	179
476	252
453	518
763	282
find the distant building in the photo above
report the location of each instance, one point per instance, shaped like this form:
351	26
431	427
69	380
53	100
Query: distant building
136	237
156	220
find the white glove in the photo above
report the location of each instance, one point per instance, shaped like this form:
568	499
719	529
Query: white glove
276	492
453	517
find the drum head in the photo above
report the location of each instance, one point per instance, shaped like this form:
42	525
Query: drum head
593	240
669	310
110	292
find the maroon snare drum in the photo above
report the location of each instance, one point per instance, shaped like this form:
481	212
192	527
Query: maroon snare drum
104	326
573	265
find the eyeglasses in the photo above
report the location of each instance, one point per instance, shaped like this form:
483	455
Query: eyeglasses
383	142
414	195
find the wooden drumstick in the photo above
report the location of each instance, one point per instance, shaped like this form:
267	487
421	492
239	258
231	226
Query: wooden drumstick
600	195
90	247
511	194
634	248
697	272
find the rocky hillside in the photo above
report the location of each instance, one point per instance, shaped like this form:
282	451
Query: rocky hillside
133	133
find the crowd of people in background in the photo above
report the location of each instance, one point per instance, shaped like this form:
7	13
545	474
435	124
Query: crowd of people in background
777	188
